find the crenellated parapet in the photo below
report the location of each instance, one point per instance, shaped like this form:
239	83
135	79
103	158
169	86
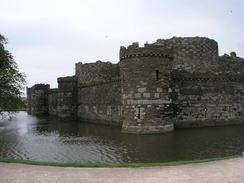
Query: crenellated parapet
67	79
230	64
40	87
149	50
188	53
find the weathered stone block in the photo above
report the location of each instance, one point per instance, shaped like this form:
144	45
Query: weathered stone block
137	95
159	90
146	95
156	95
141	90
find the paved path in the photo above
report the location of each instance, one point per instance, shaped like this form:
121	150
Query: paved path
217	172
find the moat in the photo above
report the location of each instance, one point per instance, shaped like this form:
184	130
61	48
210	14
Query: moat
45	139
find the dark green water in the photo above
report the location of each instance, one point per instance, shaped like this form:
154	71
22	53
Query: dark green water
44	139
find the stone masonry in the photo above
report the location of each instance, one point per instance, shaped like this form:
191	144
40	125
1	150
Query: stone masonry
172	83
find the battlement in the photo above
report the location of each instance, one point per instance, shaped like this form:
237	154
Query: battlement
231	58
198	47
230	64
174	41
40	87
149	50
67	79
97	63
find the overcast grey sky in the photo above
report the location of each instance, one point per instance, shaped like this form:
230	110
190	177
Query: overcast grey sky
47	37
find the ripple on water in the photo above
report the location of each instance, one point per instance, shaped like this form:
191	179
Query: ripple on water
42	139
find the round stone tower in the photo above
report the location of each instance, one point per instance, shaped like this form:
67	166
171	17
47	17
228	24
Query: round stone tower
192	53
145	89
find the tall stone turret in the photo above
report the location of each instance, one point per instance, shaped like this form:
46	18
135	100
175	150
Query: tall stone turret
67	97
37	97
145	89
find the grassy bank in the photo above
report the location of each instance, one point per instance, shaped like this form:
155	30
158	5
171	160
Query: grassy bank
111	165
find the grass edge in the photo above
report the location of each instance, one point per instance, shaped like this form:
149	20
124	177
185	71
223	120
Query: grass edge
113	165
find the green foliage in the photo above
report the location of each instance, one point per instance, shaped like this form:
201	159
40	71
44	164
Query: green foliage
22	105
11	80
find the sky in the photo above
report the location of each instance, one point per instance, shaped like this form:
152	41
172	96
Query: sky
47	37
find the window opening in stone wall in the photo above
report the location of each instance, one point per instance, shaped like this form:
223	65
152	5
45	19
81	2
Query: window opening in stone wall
205	112
157	75
139	113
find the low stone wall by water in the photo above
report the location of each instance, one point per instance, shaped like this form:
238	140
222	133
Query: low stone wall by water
207	99
100	101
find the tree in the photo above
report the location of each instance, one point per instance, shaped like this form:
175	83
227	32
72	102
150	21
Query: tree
12	81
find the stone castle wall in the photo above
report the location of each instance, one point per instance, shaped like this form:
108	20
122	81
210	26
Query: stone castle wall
173	83
99	93
37	97
207	99
62	101
93	72
100	102
53	102
67	97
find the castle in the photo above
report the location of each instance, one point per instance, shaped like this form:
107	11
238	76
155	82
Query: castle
172	83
